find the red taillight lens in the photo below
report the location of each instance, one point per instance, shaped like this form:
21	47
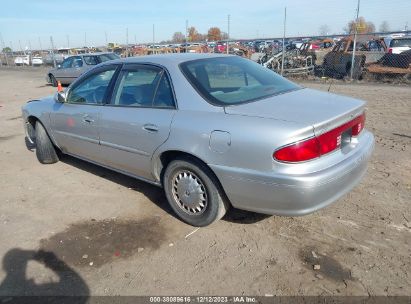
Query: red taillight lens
300	151
320	145
390	50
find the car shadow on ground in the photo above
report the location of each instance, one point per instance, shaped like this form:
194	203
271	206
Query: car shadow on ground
17	288
154	193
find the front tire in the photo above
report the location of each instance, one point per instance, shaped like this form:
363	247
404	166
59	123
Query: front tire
53	80
45	151
193	192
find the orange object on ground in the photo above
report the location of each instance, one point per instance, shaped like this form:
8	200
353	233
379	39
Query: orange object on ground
59	87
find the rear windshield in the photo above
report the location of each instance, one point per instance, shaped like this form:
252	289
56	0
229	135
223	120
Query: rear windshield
400	42
234	80
107	57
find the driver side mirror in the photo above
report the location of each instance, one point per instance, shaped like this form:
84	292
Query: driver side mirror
61	97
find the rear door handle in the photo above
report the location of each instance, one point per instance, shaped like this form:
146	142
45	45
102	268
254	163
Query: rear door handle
150	128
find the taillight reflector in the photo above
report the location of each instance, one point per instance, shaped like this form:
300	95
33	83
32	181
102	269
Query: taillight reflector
320	145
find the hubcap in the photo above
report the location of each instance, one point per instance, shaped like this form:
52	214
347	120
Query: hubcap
189	192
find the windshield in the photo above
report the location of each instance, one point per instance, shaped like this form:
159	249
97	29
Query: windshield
234	80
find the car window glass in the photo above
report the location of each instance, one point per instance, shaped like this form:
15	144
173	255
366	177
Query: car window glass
92	89
136	87
67	63
90	60
107	57
77	62
164	95
233	80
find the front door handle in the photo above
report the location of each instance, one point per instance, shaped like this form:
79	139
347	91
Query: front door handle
150	128
87	118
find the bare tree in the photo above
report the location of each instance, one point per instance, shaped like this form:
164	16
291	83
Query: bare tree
178	37
384	27
324	30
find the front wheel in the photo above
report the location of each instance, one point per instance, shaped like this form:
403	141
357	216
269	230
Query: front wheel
194	192
45	151
53	80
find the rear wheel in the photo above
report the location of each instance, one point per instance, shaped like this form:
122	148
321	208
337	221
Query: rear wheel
194	192
45	151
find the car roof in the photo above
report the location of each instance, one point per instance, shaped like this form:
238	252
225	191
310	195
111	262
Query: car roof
168	59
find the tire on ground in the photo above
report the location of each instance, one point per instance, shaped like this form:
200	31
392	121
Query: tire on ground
217	203
45	151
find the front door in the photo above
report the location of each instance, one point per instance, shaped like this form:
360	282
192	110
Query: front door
75	122
137	120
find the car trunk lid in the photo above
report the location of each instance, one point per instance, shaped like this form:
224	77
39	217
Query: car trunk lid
321	110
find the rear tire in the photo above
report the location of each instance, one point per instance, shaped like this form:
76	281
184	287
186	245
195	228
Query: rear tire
193	192
45	151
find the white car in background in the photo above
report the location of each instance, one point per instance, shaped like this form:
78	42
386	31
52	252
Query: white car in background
22	60
399	45
36	61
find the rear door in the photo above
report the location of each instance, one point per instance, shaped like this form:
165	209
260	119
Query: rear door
75	122
137	120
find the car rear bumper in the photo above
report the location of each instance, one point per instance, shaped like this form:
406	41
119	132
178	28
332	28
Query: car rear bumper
296	194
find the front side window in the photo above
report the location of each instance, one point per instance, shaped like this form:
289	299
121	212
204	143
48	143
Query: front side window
92	89
67	63
234	80
143	86
77	62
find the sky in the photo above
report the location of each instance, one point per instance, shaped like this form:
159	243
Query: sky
76	22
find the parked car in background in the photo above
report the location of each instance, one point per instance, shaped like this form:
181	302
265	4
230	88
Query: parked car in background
72	67
36	61
399	45
22	60
213	130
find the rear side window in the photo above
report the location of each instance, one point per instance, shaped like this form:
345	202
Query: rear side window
401	43
107	57
143	86
90	60
234	80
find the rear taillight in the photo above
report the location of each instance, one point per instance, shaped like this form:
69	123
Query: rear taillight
390	50
316	146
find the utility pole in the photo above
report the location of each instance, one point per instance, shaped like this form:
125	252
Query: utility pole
68	41
283	50
85	39
186	31
127	37
105	35
355	41
41	48
154	37
228	33
52	51
135	39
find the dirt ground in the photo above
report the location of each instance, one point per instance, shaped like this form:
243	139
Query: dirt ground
75	228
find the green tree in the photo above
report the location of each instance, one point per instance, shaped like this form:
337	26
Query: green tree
7	50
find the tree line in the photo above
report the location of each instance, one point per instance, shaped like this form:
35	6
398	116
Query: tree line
213	34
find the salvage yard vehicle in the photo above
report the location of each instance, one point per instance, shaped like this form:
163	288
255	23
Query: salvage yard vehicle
368	50
213	130
399	45
73	66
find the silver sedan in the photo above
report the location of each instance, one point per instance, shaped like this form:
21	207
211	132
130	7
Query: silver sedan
72	67
213	131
